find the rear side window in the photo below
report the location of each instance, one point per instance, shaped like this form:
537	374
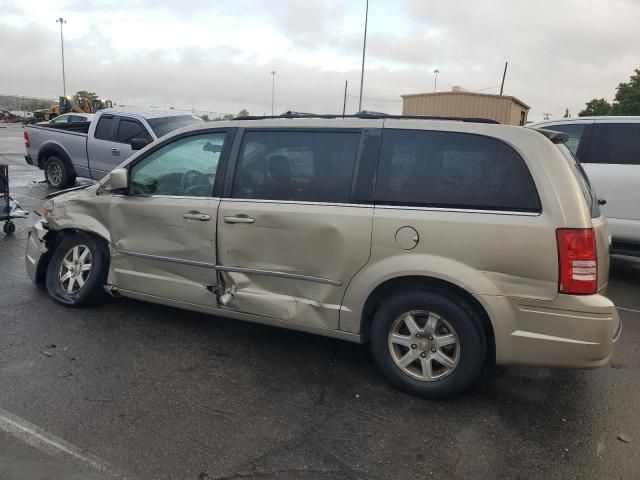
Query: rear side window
583	180
453	170
310	166
130	129
575	132
615	143
105	128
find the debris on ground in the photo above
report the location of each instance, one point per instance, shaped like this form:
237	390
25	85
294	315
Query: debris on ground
624	438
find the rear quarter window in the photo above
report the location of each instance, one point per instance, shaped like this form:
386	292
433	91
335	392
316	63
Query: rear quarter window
453	170
105	130
583	180
615	143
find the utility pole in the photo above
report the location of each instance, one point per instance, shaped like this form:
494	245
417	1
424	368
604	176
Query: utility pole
273	89
364	51
64	81
344	104
503	77
435	79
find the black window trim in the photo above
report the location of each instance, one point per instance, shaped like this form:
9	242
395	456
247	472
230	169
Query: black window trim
232	164
229	132
119	118
458	208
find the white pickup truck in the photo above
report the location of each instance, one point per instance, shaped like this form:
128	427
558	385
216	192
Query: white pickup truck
93	149
609	150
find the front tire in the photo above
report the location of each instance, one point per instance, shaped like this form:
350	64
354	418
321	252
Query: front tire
57	173
427	344
78	271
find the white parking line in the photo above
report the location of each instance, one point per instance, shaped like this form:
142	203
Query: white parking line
628	309
48	443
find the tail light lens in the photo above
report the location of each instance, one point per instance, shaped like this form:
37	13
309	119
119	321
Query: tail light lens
25	135
578	260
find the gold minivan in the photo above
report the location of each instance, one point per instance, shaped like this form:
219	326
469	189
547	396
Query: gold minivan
448	245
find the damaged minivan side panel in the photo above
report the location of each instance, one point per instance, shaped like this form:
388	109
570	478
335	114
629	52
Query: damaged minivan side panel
291	234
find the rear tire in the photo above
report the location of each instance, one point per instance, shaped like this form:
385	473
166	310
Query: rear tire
438	354
78	271
57	173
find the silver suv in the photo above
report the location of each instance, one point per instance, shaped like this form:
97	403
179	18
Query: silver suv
448	245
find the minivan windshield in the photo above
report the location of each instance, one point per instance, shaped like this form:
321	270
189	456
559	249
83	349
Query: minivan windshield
163	125
585	185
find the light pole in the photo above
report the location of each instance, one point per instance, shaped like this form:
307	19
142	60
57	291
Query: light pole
273	89
435	79
64	81
364	51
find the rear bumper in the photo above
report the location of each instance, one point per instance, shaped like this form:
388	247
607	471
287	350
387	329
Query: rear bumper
35	250
570	331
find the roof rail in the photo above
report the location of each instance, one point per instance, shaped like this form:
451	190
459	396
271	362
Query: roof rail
365	115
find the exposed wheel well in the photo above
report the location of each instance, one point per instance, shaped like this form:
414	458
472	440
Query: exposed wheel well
52	239
51	151
411	283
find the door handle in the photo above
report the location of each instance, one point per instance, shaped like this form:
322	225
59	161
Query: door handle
239	219
115	151
203	217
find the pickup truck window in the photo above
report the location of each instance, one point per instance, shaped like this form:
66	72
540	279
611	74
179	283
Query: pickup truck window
129	129
164	125
106	128
185	167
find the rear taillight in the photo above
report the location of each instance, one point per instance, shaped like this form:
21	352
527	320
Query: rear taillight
578	259
25	135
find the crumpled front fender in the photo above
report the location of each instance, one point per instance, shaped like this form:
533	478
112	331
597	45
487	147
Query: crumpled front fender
36	250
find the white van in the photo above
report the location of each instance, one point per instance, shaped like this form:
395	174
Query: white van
609	150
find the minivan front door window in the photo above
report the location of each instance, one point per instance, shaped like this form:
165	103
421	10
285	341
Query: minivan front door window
186	167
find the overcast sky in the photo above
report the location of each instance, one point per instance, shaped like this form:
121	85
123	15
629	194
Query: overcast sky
217	55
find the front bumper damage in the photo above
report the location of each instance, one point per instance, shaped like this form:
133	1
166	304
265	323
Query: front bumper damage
36	249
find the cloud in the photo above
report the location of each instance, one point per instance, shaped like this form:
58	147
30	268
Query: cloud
218	56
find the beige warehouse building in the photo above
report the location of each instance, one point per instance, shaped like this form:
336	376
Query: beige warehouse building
459	103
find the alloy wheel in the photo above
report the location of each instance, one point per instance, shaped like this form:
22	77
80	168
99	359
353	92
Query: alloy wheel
424	345
75	269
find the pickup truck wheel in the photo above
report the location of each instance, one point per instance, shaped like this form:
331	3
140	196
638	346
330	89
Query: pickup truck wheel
78	271
427	344
57	173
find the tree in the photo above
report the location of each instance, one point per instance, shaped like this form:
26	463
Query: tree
243	113
596	107
85	96
204	117
627	99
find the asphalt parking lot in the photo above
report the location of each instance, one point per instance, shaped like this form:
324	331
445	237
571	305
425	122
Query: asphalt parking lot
134	390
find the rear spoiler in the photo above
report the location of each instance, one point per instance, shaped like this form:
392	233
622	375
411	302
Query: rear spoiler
555	137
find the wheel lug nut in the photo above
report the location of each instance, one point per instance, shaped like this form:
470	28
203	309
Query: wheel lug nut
430	337
414	346
433	350
423	354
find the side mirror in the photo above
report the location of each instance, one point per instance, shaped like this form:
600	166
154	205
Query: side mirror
119	179
138	143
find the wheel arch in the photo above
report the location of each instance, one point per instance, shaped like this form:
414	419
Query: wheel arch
53	239
450	290
53	149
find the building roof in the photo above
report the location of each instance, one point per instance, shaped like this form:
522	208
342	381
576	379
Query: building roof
465	93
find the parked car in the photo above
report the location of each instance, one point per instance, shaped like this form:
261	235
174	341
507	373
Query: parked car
448	245
609	150
66	150
69	118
